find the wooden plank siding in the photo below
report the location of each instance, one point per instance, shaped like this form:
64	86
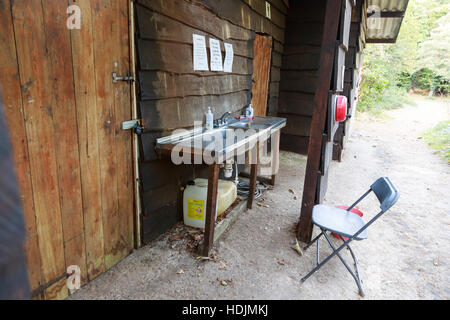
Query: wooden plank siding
73	161
299	72
172	95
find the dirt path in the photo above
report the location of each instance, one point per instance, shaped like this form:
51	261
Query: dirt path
407	255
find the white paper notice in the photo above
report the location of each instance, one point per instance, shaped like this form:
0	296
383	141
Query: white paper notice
216	55
199	53
228	64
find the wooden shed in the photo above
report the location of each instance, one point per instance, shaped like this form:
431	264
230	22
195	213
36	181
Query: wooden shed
71	72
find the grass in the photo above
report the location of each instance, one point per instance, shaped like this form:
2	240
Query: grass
439	139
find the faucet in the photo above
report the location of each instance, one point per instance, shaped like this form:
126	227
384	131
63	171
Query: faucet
223	119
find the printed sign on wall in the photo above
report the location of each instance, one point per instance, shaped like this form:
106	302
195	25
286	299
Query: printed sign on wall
199	53
229	54
216	55
201	58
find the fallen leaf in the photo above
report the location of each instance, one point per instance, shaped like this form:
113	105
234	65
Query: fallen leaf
296	247
291	191
224	283
196	236
281	262
203	258
210	258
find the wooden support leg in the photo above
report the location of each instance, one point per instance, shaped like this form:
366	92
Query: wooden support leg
211	201
275	153
253	176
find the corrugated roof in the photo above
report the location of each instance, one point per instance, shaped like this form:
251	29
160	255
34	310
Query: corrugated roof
384	18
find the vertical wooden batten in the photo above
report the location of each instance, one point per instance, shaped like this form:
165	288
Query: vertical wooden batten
88	134
10	90
261	72
36	88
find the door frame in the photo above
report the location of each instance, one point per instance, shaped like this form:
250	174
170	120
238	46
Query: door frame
135	142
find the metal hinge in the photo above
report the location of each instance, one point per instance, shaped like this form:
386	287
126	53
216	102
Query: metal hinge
135	125
128	77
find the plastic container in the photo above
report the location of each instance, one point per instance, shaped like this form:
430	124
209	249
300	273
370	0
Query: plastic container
194	200
209	119
249	112
354	210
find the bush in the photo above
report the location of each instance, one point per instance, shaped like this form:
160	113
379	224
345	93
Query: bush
427	79
380	89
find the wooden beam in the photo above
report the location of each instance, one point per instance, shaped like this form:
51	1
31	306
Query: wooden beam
332	15
386	14
391	40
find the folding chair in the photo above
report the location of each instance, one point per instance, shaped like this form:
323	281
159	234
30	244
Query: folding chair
350	225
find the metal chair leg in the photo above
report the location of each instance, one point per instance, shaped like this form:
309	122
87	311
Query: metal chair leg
355	276
324	261
336	252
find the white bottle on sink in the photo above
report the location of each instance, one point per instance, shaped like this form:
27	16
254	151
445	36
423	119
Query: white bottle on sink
209	119
249	112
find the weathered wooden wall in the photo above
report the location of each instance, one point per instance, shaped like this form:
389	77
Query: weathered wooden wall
172	95
300	63
73	161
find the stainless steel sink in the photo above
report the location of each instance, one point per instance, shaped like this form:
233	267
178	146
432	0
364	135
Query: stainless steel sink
224	139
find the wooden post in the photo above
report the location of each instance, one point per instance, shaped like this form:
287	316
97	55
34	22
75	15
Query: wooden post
211	201
253	175
332	15
275	155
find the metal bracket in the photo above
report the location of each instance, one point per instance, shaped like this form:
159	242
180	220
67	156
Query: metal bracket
128	78
135	125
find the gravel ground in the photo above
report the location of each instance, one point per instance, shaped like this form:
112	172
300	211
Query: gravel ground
406	256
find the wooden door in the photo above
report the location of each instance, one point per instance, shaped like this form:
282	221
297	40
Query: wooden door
261	72
74	163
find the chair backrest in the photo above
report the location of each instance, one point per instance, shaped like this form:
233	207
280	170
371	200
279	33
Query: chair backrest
386	192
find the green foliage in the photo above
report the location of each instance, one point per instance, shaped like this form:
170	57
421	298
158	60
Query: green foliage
439	139
380	86
419	59
434	51
424	79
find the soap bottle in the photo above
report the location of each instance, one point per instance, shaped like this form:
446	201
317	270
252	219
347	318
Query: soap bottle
249	112
209	119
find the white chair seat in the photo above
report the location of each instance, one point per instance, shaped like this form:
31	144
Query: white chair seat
338	220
